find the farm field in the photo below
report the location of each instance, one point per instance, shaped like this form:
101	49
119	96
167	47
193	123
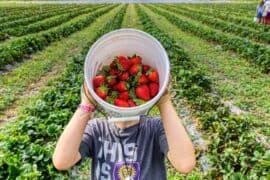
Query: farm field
220	67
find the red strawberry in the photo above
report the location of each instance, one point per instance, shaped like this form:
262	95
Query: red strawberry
154	87
131	103
136	60
143	79
124	95
124	76
152	75
113	71
98	80
102	91
122	63
121	103
135	69
145	68
121	86
113	65
142	92
111	80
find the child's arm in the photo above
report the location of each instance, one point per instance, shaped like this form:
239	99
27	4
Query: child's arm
181	152
66	153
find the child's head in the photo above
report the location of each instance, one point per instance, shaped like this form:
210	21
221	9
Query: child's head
261	3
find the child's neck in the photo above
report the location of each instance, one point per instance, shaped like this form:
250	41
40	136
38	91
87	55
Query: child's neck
123	125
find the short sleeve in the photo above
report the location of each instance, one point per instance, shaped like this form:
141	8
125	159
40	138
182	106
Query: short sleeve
162	139
87	143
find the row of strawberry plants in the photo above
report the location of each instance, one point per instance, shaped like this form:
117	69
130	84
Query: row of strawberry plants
13	10
245	32
10	10
28	13
44	25
3	36
254	52
27	145
16	50
239	9
233	151
235	19
38	17
230	10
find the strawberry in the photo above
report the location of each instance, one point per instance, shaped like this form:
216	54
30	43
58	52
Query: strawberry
111	81
124	76
152	75
135	69
102	91
154	87
131	103
143	92
98	80
136	60
124	95
113	72
143	79
122	63
121	103
121	86
145	68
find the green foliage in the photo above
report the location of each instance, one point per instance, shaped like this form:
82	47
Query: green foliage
232	147
44	25
18	49
229	27
27	145
3	36
255	53
16	19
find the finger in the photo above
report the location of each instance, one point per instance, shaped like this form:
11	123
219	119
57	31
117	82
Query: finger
87	95
85	88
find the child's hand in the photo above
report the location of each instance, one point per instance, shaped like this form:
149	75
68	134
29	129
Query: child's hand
166	97
86	97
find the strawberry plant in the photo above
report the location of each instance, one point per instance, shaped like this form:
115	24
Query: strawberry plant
238	30
255	53
27	145
18	49
232	147
44	25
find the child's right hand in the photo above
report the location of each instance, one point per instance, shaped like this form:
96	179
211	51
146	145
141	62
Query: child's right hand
166	95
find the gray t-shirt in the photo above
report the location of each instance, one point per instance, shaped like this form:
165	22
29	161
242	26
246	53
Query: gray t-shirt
102	142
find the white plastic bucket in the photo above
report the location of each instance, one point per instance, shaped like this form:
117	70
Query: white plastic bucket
126	42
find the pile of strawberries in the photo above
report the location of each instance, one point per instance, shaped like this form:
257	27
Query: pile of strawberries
126	82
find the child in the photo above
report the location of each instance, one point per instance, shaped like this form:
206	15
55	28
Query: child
125	150
266	10
259	12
